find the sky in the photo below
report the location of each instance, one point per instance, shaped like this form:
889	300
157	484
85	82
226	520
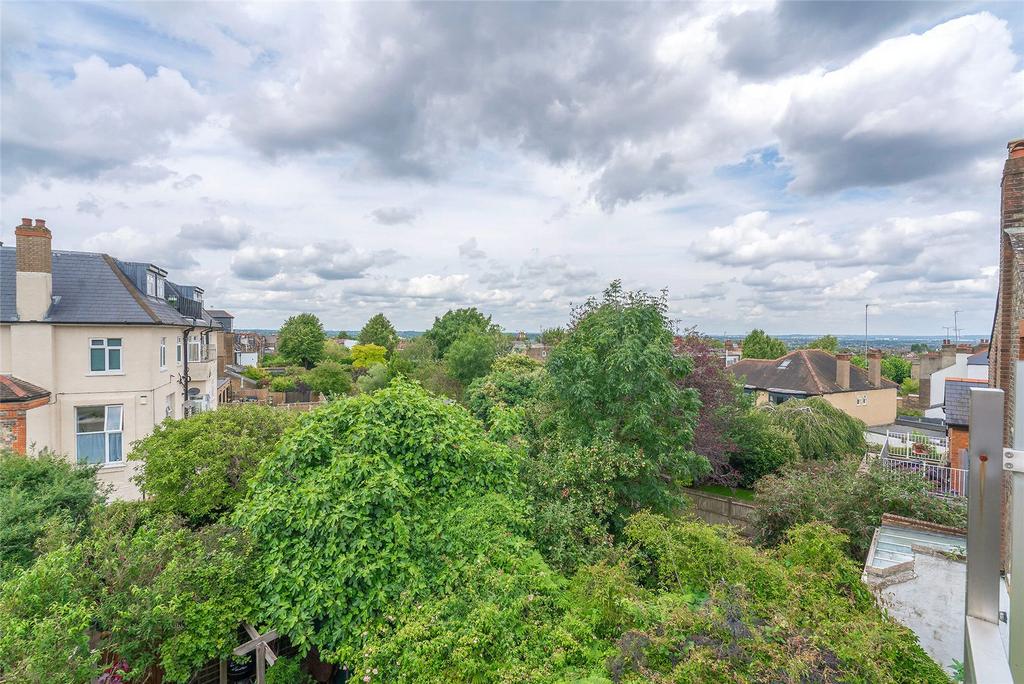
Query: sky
770	165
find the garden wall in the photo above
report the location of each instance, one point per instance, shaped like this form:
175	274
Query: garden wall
723	510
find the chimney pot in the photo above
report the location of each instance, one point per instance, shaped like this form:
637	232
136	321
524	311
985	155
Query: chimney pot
1016	148
26	222
40	223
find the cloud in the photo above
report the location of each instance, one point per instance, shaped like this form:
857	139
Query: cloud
627	179
909	108
188	181
749	240
326	260
392	216
130	244
90	205
468	250
767	40
428	286
222	232
102	119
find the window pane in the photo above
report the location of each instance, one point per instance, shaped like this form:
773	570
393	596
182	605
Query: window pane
115	359
90	448
90	418
113	341
114	446
96	360
97	343
113	418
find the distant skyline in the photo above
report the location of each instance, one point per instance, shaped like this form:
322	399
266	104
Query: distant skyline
773	165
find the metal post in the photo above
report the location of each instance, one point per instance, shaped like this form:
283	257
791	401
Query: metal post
984	659
1015	574
984	503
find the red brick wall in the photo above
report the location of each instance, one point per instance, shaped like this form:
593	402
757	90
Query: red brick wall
12	423
959	440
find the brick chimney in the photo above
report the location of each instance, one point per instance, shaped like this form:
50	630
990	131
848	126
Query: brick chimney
981	346
34	259
843	369
948	353
875	367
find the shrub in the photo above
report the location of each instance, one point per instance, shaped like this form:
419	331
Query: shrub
498	398
329	378
37	492
822	431
376	377
261	375
287	671
200	467
366	355
359	507
835	494
470	356
761	447
282	383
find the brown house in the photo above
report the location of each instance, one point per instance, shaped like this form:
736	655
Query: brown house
804	373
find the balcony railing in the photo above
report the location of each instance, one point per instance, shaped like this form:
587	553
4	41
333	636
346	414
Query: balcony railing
945	481
918	447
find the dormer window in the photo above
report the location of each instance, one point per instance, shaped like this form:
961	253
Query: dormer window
154	285
199	295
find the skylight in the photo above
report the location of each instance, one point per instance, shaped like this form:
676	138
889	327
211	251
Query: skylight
784	364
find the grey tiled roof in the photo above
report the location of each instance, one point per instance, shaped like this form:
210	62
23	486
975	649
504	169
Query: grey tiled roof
957	399
979	359
88	288
808	371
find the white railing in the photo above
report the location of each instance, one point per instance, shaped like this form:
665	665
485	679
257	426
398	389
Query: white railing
918	447
945	481
194	406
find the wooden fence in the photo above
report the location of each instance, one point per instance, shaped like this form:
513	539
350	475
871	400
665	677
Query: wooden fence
723	510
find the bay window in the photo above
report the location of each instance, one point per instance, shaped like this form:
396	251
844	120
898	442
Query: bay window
98	433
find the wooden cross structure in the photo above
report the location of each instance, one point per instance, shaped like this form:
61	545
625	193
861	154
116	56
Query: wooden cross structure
260	643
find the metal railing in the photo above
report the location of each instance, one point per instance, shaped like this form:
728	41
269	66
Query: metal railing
194	406
918	446
945	481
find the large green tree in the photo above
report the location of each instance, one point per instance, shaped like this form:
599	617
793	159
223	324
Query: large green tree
896	368
758	345
456	323
471	355
378	330
301	339
330	378
827	343
199	468
823	432
361	509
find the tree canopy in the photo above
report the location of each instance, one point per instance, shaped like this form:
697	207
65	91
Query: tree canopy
360	506
828	343
199	468
454	324
301	339
896	368
366	355
329	378
471	355
379	331
823	432
758	345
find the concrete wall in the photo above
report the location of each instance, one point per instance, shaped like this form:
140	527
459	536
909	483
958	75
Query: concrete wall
722	510
877	407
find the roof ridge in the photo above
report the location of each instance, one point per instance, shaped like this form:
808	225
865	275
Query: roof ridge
814	373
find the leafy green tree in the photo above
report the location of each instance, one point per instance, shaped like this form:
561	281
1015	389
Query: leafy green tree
35	493
329	378
552	336
470	356
336	352
827	343
366	355
860	361
379	331
910	386
615	376
362	507
823	432
301	339
896	368
501	397
199	467
282	383
261	376
920	348
456	323
758	345
761	447
376	377
849	501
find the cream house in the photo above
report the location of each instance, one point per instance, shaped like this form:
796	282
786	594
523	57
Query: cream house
803	373
117	345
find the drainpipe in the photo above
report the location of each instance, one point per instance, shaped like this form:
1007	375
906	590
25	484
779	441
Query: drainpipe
184	374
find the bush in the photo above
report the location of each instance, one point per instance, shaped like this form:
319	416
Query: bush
761	447
470	356
835	494
287	671
37	492
376	377
144	586
515	382
366	355
358	511
823	432
200	467
329	378
261	375
282	383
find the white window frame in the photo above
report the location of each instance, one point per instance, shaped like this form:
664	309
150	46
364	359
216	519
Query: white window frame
195	342
105	345
160	292
178	350
163	353
150	284
113	424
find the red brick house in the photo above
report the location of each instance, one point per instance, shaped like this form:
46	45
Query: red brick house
17	398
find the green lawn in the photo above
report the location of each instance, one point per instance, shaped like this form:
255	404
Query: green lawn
721	490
